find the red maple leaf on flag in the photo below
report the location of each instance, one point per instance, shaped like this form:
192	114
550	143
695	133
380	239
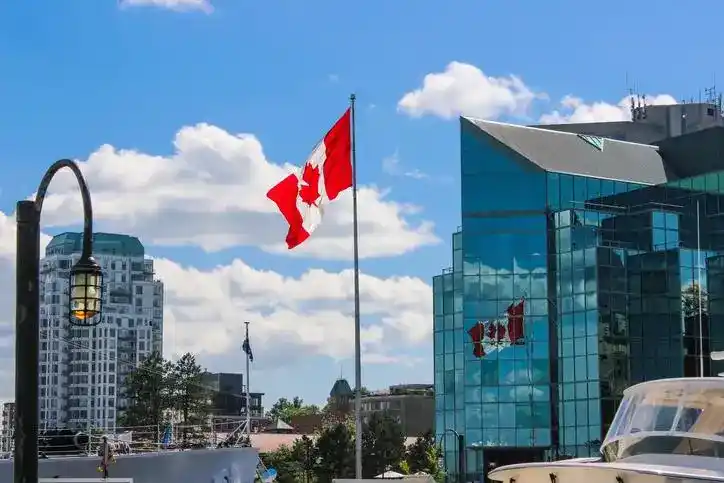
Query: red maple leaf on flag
309	190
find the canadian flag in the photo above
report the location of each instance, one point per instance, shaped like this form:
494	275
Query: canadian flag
301	196
491	335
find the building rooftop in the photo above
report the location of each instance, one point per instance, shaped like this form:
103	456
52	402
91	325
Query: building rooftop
705	146
103	244
341	388
404	390
578	154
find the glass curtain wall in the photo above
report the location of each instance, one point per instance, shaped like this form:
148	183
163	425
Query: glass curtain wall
590	300
448	346
620	283
630	264
506	387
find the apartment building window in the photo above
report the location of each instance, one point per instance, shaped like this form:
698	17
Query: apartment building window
139	290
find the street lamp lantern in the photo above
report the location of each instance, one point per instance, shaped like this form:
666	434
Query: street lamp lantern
86	292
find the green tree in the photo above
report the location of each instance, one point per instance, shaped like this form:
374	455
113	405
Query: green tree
335	453
189	397
424	455
285	409
304	451
383	445
147	389
283	460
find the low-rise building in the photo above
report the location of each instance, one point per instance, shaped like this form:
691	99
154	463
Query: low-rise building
413	405
228	400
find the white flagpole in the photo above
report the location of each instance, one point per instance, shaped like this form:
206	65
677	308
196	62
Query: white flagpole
248	396
357	343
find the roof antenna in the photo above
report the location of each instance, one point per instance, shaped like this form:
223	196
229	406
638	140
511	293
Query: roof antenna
645	107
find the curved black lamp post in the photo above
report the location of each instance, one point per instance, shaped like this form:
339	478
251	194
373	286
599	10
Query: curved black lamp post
86	286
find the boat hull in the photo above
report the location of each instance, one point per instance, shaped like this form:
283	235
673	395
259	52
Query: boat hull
191	466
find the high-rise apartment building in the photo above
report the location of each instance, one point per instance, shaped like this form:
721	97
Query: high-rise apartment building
83	369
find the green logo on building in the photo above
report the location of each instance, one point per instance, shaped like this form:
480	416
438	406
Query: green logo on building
594	141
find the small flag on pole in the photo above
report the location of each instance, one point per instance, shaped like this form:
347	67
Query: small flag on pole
246	347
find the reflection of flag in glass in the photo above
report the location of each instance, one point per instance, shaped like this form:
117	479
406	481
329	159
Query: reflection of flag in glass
496	334
514	315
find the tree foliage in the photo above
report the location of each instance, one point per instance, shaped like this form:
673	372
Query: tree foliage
189	397
331	454
158	388
383	444
288	468
285	409
304	451
335	453
424	455
147	388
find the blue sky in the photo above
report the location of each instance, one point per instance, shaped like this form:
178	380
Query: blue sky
79	74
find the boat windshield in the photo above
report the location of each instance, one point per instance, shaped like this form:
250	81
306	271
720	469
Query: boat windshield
693	408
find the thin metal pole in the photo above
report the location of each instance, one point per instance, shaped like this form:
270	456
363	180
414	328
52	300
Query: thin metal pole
27	342
357	330
698	270
248	396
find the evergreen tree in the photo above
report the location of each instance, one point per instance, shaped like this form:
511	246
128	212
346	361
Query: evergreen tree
424	455
147	389
383	445
335	453
190	398
305	452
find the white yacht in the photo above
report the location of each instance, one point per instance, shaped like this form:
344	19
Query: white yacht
665	431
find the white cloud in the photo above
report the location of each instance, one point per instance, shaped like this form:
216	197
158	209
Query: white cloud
333	78
575	110
308	315
178	5
392	166
463	89
211	192
7	303
291	317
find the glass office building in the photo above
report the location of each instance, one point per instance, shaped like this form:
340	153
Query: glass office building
616	250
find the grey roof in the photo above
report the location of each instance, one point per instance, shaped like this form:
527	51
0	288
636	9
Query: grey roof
341	388
572	153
